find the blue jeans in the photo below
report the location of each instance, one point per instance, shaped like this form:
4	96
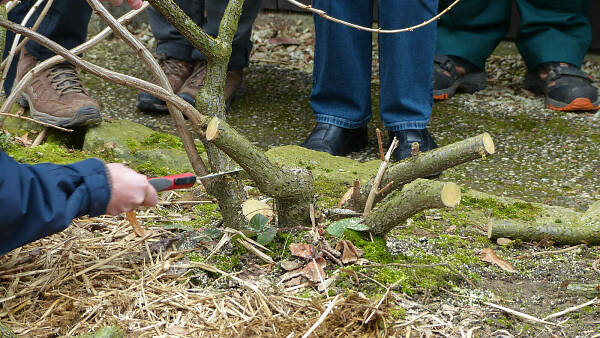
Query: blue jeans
66	23
171	43
341	93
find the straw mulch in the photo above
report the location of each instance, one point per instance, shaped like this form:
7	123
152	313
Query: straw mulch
98	273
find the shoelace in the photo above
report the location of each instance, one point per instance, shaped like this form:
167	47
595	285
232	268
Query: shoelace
65	80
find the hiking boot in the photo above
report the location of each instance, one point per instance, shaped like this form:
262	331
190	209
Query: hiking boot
565	87
234	85
56	95
453	74
177	71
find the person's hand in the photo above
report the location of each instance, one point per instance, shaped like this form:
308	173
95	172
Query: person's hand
129	190
135	4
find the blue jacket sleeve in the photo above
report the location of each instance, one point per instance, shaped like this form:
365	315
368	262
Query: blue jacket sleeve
42	199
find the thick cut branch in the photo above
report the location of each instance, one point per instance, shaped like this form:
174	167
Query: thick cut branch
564	228
292	189
431	162
416	196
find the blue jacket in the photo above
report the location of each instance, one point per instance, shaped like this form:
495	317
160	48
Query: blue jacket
42	199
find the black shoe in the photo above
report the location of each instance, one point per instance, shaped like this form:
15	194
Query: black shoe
565	86
149	103
406	139
447	81
336	140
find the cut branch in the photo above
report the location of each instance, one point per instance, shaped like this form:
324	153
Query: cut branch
431	162
567	228
416	196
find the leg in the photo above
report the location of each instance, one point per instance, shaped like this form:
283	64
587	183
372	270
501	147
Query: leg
173	50
472	29
553	31
341	94
553	39
55	95
66	23
169	41
242	45
240	55
406	73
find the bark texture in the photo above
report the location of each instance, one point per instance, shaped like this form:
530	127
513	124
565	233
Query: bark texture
416	196
567	228
429	163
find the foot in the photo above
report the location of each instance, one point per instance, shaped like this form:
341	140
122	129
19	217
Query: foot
336	140
177	71
407	137
453	74
56	95
565	87
234	84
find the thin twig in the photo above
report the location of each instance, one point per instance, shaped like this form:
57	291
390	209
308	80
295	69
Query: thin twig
40	138
324	15
36	121
571	309
551	252
380	144
377	180
322	317
520	314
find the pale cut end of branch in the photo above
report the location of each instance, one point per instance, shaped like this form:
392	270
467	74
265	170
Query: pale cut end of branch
451	194
212	130
488	143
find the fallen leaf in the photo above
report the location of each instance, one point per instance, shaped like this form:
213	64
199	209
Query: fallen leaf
489	255
289	265
285	41
293	282
302	250
347	196
24	139
177	330
349	252
312	271
252	207
503	241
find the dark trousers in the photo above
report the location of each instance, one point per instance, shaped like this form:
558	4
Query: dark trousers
66	23
341	93
549	30
171	43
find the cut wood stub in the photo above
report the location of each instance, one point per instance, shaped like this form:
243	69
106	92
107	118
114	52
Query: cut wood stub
212	130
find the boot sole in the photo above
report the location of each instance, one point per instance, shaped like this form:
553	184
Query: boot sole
469	83
86	116
578	104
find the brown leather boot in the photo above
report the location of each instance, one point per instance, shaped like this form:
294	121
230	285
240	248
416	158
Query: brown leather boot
177	71
234	84
56	95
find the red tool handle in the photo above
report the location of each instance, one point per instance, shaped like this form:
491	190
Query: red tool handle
171	182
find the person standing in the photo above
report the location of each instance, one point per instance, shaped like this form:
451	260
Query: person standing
341	94
553	38
184	65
